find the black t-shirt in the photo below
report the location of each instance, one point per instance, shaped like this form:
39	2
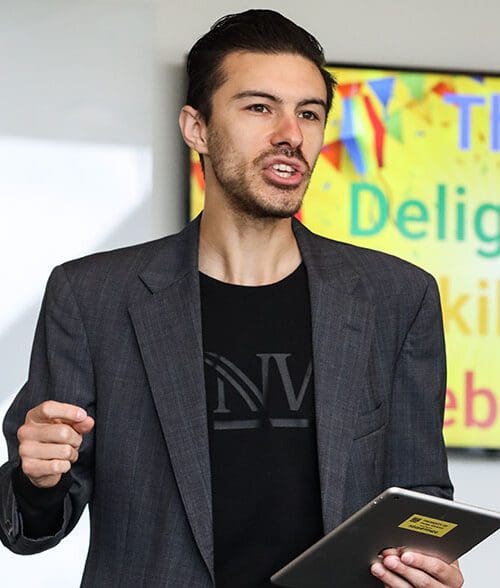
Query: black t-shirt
261	418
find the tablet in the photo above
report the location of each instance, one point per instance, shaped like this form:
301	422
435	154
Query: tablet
395	518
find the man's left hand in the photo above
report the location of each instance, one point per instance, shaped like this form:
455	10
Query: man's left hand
409	569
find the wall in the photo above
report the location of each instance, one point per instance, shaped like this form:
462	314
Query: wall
90	158
76	110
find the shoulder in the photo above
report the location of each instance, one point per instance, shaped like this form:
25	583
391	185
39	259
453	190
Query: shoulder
120	259
396	289
113	264
97	278
380	273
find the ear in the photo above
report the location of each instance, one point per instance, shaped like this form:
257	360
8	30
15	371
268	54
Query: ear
193	129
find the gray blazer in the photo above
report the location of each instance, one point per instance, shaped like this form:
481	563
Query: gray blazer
119	333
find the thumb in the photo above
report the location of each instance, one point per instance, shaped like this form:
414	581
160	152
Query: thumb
85	426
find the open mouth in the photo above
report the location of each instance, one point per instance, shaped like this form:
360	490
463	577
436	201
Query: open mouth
283	170
283	174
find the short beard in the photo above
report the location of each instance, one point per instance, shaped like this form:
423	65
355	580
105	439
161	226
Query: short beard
241	198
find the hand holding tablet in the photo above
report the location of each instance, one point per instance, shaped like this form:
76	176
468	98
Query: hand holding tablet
423	524
399	566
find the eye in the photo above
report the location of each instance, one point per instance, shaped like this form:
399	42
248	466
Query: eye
308	115
258	108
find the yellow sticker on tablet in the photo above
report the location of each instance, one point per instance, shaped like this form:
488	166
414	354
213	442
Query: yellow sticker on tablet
426	525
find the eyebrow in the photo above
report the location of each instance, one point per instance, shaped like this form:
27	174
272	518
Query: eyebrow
258	94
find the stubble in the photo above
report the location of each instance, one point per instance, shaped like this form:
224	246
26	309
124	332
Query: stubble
240	182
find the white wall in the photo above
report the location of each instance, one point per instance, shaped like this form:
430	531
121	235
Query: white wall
90	92
76	105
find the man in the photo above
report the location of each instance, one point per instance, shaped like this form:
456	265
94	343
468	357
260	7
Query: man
223	397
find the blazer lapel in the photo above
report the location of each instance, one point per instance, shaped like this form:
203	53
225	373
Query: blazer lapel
342	327
168	329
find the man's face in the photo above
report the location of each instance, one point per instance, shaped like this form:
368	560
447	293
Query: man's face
265	133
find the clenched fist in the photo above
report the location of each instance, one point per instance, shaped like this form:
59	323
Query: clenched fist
50	439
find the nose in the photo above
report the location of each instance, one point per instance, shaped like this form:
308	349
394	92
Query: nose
287	132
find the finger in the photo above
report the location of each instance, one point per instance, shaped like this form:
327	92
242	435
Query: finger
414	576
50	433
50	410
36	469
389	579
36	450
456	565
84	426
448	574
392	551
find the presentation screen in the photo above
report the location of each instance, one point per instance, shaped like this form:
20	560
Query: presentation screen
411	166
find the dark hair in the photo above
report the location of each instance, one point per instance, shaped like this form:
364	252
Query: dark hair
258	31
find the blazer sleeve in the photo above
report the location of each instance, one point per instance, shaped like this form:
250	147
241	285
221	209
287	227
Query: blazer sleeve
60	369
415	448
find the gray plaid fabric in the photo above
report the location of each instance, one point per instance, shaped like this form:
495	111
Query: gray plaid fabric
119	333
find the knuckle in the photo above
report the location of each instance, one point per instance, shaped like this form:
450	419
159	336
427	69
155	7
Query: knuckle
58	466
437	567
27	467
23	450
21	432
65	466
46	406
64	433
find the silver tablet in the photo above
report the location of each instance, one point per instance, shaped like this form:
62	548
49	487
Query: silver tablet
395	518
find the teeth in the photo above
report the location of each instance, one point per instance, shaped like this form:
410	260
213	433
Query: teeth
283	174
283	168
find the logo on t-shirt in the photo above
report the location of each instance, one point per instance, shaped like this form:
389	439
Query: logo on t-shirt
240	403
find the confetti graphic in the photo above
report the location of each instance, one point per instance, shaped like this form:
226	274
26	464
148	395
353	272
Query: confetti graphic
411	166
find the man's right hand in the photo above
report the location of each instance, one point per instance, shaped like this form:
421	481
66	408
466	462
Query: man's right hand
50	439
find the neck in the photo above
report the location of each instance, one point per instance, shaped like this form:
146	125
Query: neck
250	252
